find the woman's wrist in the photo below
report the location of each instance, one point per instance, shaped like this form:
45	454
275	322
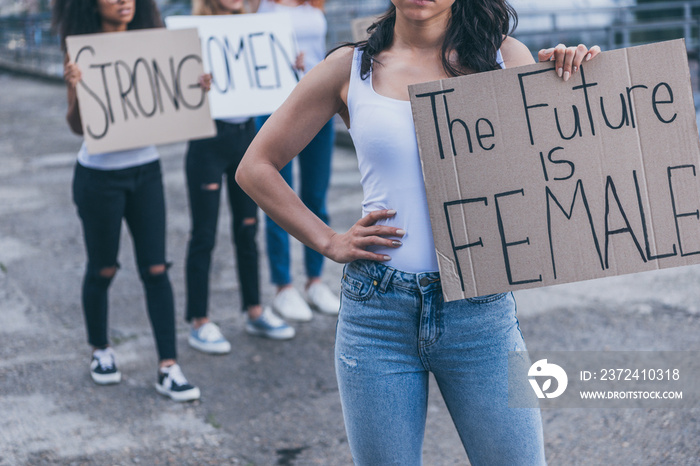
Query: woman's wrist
327	246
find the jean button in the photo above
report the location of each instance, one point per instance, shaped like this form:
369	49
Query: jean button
425	281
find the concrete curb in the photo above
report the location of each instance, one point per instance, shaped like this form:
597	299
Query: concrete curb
21	69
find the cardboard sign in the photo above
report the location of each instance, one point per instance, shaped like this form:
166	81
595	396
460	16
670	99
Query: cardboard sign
140	88
532	181
251	59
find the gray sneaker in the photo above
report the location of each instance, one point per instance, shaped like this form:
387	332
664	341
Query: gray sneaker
269	325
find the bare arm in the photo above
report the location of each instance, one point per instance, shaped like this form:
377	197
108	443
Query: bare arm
72	75
320	94
515	53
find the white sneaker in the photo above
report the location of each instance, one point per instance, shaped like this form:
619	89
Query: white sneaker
290	305
269	325
320	297
208	339
172	383
103	368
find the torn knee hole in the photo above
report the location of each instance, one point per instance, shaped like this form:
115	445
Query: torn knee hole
210	187
108	272
157	269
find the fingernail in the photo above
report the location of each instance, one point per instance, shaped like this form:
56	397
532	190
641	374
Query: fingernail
386	258
391	212
560	71
567	75
400	232
575	69
588	57
396	243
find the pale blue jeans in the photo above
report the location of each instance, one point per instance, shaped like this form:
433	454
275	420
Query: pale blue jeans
393	329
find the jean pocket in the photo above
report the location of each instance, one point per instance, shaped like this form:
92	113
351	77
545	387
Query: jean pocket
487	298
357	288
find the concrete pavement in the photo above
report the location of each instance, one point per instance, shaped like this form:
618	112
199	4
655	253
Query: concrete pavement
267	402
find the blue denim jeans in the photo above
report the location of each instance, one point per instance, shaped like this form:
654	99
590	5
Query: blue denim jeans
393	329
315	175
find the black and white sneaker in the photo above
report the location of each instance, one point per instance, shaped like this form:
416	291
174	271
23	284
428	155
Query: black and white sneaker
172	383
103	368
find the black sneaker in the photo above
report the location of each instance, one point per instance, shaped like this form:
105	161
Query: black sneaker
103	368
172	383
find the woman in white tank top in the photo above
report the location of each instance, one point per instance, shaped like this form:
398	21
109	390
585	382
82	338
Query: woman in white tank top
394	327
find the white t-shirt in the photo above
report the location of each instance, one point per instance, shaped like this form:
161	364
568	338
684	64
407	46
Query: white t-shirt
234	120
310	29
117	160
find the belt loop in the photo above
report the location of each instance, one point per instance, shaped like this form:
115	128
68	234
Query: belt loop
386	279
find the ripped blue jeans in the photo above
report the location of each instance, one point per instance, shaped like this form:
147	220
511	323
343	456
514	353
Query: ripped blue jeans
393	329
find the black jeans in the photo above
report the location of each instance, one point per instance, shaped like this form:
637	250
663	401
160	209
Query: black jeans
103	199
208	160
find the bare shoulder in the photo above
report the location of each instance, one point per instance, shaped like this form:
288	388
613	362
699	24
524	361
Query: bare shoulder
515	53
324	88
332	75
340	60
334	69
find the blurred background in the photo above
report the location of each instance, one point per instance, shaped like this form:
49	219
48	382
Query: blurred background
27	43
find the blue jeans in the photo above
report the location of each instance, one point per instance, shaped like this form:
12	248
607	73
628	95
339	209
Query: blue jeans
315	176
393	329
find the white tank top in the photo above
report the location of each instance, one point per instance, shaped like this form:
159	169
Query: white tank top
384	135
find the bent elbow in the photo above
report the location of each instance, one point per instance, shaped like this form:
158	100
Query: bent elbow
242	175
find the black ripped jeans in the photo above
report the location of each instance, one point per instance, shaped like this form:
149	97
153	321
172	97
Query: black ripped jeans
103	199
207	161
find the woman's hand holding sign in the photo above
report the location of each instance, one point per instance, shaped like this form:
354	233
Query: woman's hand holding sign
567	60
71	74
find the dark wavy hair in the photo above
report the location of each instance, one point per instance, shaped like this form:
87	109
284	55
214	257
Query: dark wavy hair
475	32
73	17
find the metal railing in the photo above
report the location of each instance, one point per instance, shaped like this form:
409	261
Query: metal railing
622	27
27	44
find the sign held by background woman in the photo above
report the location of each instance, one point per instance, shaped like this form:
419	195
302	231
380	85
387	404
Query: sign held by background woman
251	59
140	88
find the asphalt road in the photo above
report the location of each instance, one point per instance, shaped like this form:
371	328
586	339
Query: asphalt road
267	402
